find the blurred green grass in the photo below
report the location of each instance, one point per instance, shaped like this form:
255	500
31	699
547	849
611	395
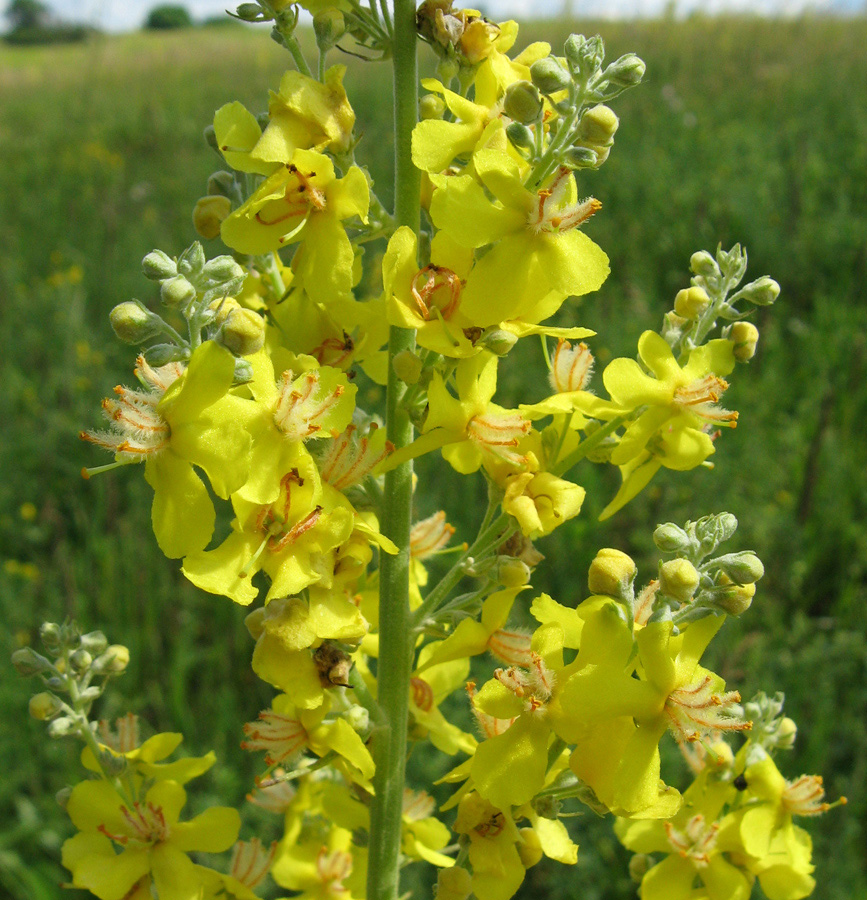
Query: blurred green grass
745	130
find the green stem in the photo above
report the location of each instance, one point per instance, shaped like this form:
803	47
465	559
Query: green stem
290	42
562	467
394	667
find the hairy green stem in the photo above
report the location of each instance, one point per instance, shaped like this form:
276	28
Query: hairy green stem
389	739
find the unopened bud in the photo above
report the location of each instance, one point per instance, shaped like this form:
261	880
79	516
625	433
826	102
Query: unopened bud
158	265
786	734
44	706
210	136
431	106
742	568
192	260
529	847
251	12
745	337
761	292
584	55
670	538
358	718
244	332
209	213
454	884
407	366
28	662
94	642
498	341
678	579
221	183
50	633
223	268
329	26
161	354
512	572
549	76
736	599
625	72
712	531
611	573
702	263
133	323
523	102
582	157
520	135
113	662
177	292
80	661
598	125
243	373
691	302
62	726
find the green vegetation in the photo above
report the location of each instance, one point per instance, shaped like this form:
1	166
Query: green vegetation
31	22
168	16
746	130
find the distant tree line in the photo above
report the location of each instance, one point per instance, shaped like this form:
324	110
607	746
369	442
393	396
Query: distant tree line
32	22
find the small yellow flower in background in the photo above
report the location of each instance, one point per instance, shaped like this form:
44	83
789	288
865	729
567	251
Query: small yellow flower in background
27	511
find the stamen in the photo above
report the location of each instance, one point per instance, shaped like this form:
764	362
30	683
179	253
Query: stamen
488	725
251	862
696	710
696	842
303	404
512	647
422	694
805	796
428	285
571	369
498	434
279	735
700	397
429	535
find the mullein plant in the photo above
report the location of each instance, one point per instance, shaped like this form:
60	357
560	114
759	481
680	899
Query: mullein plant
254	405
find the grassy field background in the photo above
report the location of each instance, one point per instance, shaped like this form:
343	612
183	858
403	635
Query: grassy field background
745	130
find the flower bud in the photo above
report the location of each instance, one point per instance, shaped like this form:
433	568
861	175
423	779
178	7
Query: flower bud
80	661
691	302
50	634
160	354
761	292
712	531
786	734
358	718
702	263
192	260
329	26
584	157
407	366
209	214
736	599
625	72
113	662
431	106
210	136
611	573
177	292
62	726
28	662
158	265
223	268
221	183
44	706
454	884
670	538
512	572
133	323
447	69
520	135
244	332
678	579
251	12
529	848
549	76
523	102
745	336
584	55
498	341
94	642
742	568
243	373
598	125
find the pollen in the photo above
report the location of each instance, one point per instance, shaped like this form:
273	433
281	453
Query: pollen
136	427
701	396
696	711
303	405
552	215
571	368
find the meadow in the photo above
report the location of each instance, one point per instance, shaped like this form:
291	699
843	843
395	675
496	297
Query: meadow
745	130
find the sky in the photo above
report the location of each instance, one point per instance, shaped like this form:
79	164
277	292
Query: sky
126	15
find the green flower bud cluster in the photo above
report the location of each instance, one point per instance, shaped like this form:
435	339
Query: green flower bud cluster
771	729
72	662
202	291
696	583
